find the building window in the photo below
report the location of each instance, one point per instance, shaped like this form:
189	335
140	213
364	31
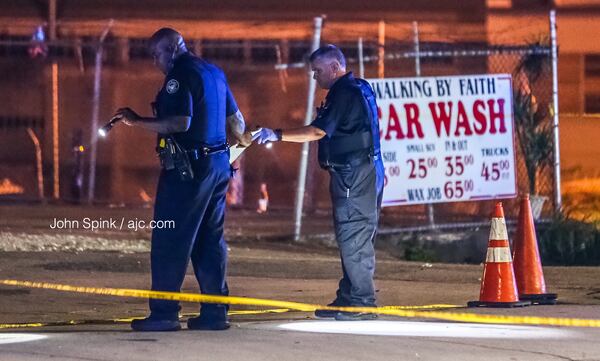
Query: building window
592	65
592	103
18	122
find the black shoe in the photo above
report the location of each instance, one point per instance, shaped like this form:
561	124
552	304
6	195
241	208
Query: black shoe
355	316
325	313
328	313
155	324
199	323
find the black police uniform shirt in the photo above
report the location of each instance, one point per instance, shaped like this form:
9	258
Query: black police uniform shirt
342	114
197	89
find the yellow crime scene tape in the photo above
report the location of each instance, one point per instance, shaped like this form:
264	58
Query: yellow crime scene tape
391	311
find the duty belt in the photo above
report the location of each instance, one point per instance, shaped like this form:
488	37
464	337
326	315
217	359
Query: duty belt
351	163
206	151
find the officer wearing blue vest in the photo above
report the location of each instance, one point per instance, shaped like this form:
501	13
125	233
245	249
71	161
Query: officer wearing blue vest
347	129
192	110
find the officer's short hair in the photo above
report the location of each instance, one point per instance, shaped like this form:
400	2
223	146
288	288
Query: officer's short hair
329	51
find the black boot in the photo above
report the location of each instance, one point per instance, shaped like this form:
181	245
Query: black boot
328	313
208	323
355	316
155	324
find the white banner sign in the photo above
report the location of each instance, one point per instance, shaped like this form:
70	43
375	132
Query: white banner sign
446	139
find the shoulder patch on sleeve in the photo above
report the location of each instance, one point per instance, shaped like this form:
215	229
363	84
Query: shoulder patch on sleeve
172	86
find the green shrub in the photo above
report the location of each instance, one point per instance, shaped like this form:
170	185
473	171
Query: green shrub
570	242
419	253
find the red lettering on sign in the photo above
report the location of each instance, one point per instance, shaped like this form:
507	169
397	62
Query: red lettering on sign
496	115
379	121
393	125
442	118
462	121
479	117
486	116
412	120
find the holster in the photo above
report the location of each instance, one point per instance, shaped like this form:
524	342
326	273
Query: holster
172	156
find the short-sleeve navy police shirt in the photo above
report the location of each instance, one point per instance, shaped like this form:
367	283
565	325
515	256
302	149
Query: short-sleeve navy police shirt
197	89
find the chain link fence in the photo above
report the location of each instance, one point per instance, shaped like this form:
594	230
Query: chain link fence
269	95
469	59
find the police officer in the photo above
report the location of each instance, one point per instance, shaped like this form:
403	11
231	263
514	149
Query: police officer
191	112
348	133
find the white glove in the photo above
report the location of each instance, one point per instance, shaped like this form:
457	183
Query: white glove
266	135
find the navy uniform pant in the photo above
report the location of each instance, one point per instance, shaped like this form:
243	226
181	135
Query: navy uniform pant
197	208
356	193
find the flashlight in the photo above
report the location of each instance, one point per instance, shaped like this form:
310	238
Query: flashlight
108	126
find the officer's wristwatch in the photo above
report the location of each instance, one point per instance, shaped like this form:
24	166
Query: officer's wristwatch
278	133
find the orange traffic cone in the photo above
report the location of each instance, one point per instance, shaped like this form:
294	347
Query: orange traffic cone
527	263
498	285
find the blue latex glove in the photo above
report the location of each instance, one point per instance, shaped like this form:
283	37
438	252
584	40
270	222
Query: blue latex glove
266	135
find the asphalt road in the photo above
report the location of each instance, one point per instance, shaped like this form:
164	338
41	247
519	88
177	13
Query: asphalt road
285	273
273	269
266	340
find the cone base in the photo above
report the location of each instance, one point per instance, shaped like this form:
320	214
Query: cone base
498	304
540	299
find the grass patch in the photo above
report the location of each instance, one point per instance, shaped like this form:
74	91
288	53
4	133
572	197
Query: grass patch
570	242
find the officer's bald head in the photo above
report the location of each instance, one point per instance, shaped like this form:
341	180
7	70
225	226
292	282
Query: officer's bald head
172	36
166	45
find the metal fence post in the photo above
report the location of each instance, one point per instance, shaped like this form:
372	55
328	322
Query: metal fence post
361	59
312	85
38	162
55	133
557	195
430	210
95	113
417	48
381	50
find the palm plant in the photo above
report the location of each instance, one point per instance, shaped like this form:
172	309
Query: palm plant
534	133
533	127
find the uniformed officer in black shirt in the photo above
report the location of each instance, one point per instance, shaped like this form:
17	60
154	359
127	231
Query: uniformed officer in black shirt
191	112
347	129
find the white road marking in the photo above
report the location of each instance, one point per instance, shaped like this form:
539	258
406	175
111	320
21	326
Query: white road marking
19	337
428	329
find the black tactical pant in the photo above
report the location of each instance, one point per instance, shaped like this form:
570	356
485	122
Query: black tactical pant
198	209
356	193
